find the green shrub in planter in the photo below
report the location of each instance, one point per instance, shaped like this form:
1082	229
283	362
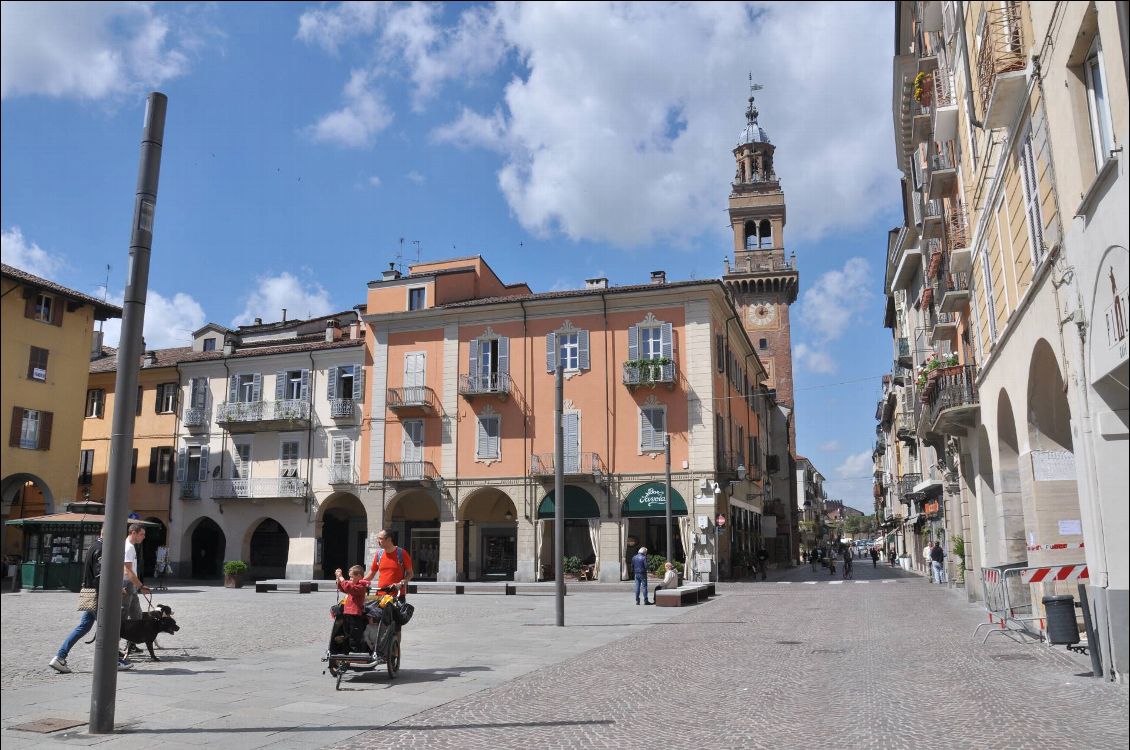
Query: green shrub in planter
235	567
572	565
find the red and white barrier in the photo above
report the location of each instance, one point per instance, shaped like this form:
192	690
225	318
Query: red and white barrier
1061	545
1054	573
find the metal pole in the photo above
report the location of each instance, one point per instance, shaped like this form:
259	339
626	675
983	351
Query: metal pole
104	688
559	494
667	495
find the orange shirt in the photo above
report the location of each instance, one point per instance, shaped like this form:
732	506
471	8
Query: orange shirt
388	571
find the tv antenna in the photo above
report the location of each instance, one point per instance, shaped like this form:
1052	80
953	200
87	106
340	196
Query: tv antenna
105	294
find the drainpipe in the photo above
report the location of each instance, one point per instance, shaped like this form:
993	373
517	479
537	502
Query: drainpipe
310	442
607	428
526	425
223	435
176	431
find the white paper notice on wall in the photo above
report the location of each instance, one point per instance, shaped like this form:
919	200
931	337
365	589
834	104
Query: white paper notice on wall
1070	528
1050	466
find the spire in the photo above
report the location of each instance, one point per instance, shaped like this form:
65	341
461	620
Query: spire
752	133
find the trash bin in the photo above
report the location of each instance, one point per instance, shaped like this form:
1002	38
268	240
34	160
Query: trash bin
1060	611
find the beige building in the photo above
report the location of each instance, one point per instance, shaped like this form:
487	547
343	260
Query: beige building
46	350
1007	293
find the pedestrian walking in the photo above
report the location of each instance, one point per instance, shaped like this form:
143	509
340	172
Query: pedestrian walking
892	558
88	605
847	555
874	557
639	570
762	561
131	584
926	560
937	563
670	581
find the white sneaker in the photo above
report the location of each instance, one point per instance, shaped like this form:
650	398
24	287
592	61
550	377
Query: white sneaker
59	665
123	664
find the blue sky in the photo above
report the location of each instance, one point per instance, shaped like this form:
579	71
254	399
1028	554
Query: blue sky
561	142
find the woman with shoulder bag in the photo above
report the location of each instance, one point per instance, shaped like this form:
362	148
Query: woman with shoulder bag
87	604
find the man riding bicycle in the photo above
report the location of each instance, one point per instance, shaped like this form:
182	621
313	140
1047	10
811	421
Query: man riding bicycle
391	565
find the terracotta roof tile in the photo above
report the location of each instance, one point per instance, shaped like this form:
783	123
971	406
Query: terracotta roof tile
102	310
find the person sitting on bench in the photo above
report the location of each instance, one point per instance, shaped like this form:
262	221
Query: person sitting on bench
670	581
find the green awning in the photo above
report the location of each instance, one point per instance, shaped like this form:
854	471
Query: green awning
648	500
578	504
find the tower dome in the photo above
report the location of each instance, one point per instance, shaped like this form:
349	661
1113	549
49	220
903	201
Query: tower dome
752	132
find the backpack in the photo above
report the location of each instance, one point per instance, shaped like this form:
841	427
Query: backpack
399	557
937	554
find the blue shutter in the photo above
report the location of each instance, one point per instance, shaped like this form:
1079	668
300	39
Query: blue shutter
233	389
203	463
280	385
583	350
257	387
665	340
571	426
633	343
358	383
482	447
550	352
473	361
503	355
493	441
305	385
646	432
182	465
331	383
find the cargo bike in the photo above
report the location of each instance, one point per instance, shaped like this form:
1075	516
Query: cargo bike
366	643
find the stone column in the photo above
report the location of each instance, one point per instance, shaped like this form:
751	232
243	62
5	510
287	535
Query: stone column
447	533
527	551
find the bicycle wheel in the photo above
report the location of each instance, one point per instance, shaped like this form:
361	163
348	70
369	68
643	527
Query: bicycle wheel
392	662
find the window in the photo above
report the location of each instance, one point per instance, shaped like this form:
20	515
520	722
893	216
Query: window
567	345
161	465
44	308
247	388
763	344
651	342
86	467
95	403
1098	105
37	365
653	428
140	396
416	298
569	350
292	385
31	429
241	461
488	445
345	381
210	344
740	443
1032	210
133	468
288	459
199	391
342	452
166	398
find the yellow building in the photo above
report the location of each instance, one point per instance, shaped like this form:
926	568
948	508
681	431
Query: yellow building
154	438
47	335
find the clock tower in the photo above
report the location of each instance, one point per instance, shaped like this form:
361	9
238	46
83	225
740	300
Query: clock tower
761	279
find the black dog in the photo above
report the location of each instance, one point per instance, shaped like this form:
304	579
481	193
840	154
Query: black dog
147	629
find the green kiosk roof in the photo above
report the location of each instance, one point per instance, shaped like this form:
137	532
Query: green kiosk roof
648	500
578	504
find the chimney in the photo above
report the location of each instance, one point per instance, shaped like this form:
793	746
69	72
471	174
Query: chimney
597	283
258	321
149	359
658	277
355	330
229	347
284	315
391	274
96	345
333	332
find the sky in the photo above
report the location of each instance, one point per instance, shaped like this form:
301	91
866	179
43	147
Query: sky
309	145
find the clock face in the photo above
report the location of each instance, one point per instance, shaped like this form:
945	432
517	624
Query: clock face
762	314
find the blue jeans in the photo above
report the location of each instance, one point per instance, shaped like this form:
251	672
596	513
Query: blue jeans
939	572
641	585
83	627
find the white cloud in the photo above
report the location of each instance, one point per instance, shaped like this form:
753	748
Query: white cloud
374	181
415	177
85	50
301	300
357	123
28	256
830	306
856	465
831	446
330	27
473	129
814	359
168	321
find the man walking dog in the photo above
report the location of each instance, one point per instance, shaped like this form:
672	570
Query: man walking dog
131	584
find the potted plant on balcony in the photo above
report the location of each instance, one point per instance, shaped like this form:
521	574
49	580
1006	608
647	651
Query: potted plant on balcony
649	371
233	574
923	88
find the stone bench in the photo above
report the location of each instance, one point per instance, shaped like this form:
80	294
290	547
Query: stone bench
509	588
688	593
302	587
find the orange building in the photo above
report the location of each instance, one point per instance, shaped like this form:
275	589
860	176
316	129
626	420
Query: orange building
459	460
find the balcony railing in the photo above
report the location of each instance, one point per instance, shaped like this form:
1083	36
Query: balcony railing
1000	63
412	471
955	292
414	398
645	373
904	356
906	484
343	408
583	464
246	416
190	491
195	418
943	171
259	489
494	383
932	218
906	426
343	474
957	228
952	402
727	462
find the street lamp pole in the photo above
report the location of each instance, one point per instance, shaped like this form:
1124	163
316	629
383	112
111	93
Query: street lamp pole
559	495
667	494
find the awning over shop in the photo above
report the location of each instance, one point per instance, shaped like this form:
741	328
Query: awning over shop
648	500
578	504
73	520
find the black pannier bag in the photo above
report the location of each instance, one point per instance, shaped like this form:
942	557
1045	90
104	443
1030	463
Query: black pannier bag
402	612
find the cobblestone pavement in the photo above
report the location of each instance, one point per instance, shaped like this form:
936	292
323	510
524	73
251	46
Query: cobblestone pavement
807	661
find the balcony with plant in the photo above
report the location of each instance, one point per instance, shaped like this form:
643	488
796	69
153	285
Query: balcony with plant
641	373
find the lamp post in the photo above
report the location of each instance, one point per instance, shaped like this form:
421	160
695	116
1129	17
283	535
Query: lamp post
667	492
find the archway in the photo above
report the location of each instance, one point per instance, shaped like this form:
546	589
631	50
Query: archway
582	526
207	549
488	536
413	518
1011	544
22	496
155	536
268	550
991	529
343	526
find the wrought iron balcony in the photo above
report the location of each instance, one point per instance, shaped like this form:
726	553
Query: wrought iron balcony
955	294
906	485
945	106
933	216
270	488
952	404
415	399
880	447
344	409
906	427
190	491
922	122
944	326
581	465
638	374
419	472
904	356
491	384
262	416
943	171
195	418
343	474
1001	64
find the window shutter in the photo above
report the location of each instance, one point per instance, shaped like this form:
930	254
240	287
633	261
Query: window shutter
358	383
665	340
200	393
182	465
305	390
203	475
572	424
257	387
233	389
17	426
331	383
633	343
583	349
29	303
483	446
719	353
153	458
503	355
280	385
45	419
347	452
495	439
57	311
646	432
473	360
133	467
550	352
31	364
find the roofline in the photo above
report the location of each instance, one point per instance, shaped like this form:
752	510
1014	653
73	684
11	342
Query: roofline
30	279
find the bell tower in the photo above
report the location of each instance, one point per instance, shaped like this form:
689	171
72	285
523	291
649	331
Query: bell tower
761	279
